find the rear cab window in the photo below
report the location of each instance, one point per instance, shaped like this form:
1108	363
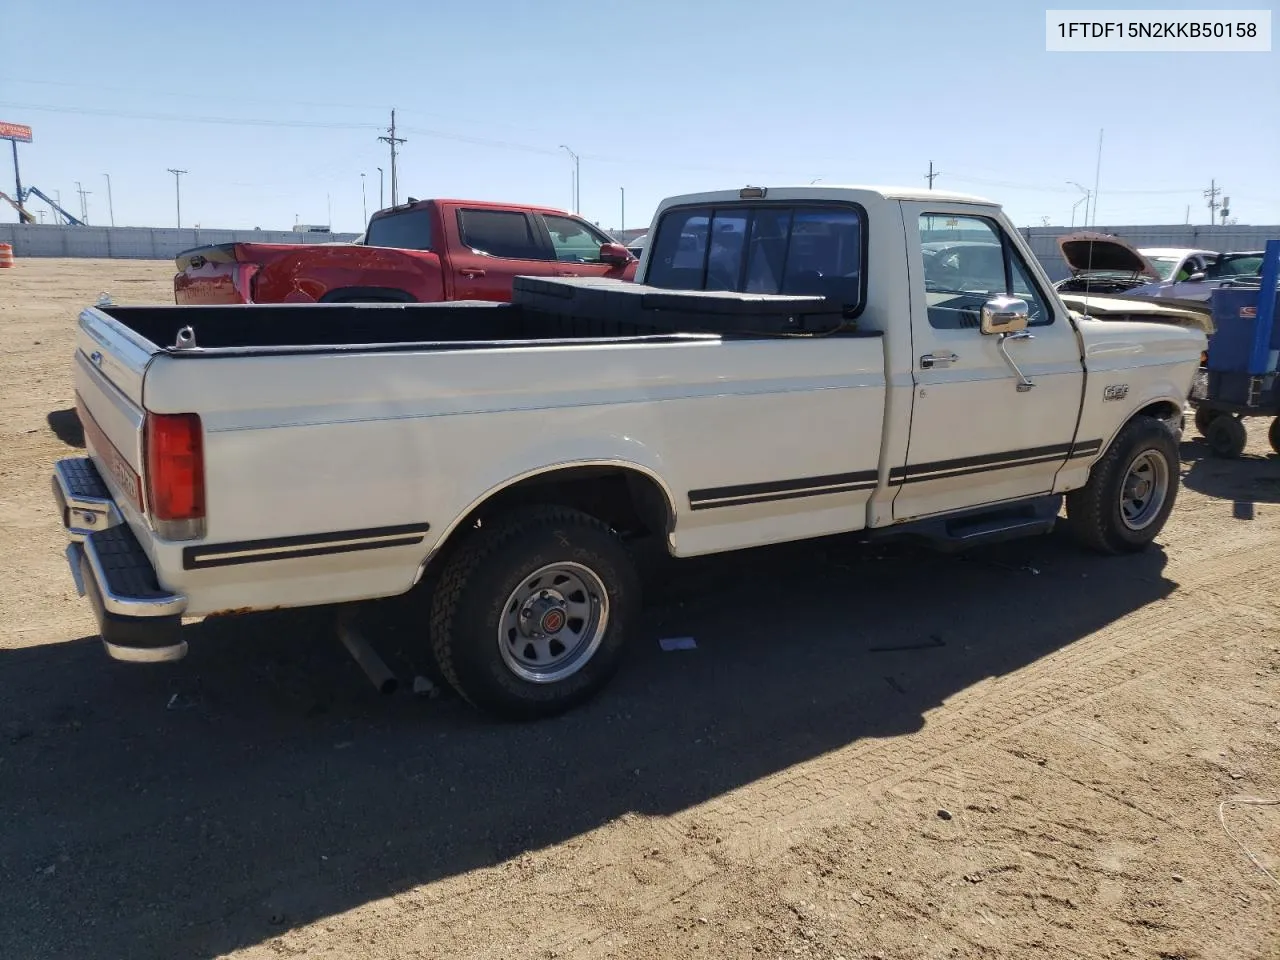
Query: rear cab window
409	230
815	249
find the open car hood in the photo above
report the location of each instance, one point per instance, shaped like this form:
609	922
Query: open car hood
1089	252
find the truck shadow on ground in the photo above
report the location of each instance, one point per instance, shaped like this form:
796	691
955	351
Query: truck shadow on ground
1247	480
66	426
195	808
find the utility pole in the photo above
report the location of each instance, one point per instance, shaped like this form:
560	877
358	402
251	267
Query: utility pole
111	207
930	175
1085	200
177	188
364	204
381	204
1212	195
577	180
394	141
84	207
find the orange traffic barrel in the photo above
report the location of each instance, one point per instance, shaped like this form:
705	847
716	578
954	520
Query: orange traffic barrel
6	255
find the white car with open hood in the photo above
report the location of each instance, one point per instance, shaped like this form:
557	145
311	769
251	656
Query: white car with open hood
792	363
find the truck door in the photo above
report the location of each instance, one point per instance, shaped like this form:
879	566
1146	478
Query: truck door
577	248
495	247
977	436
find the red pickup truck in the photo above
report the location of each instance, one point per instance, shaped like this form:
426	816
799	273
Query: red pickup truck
422	251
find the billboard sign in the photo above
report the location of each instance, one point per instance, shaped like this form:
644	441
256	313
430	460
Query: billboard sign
15	131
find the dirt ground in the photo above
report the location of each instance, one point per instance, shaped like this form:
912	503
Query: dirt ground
1016	753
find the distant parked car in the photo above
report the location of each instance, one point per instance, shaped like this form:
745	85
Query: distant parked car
636	246
1101	263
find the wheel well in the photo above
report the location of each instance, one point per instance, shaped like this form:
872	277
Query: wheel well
628	500
367	295
1165	410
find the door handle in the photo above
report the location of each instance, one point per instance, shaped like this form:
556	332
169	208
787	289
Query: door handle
567	273
96	357
471	273
931	360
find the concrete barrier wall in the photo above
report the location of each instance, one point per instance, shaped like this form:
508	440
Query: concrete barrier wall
138	243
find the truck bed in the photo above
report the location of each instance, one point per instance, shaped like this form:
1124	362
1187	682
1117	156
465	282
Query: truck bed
543	311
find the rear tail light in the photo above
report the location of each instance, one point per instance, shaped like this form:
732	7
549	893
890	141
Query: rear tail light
174	448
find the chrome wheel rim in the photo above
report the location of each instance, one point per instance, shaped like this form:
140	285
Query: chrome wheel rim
553	622
1144	490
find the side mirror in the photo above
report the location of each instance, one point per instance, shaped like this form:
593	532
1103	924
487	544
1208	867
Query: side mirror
1195	278
614	253
1004	315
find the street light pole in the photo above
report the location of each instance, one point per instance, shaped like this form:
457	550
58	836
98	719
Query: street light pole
177	189
577	179
364	204
111	209
622	223
380	203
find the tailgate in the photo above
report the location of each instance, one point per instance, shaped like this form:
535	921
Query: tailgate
110	362
212	274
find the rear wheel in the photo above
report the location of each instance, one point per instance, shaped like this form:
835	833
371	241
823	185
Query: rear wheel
1274	434
1227	437
1130	492
531	615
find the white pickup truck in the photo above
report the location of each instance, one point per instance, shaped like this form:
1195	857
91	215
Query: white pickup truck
791	363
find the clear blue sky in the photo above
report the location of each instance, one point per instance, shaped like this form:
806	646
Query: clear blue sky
657	96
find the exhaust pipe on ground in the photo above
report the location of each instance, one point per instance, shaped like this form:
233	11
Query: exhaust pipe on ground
374	667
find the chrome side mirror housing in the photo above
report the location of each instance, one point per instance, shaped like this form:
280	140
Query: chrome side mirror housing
1004	314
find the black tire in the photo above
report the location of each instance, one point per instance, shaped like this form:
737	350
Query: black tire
1273	434
1094	514
1204	417
478	581
1227	437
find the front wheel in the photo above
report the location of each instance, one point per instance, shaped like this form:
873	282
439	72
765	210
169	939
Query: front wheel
1274	434
1130	492
530	616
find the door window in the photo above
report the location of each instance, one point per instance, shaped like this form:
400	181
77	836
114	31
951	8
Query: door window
573	241
967	261
410	230
500	233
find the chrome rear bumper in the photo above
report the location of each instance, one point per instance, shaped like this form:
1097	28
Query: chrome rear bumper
139	620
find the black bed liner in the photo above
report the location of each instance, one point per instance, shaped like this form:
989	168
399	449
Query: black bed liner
542	309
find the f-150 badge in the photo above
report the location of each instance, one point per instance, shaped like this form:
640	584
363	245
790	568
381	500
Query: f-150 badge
1116	391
